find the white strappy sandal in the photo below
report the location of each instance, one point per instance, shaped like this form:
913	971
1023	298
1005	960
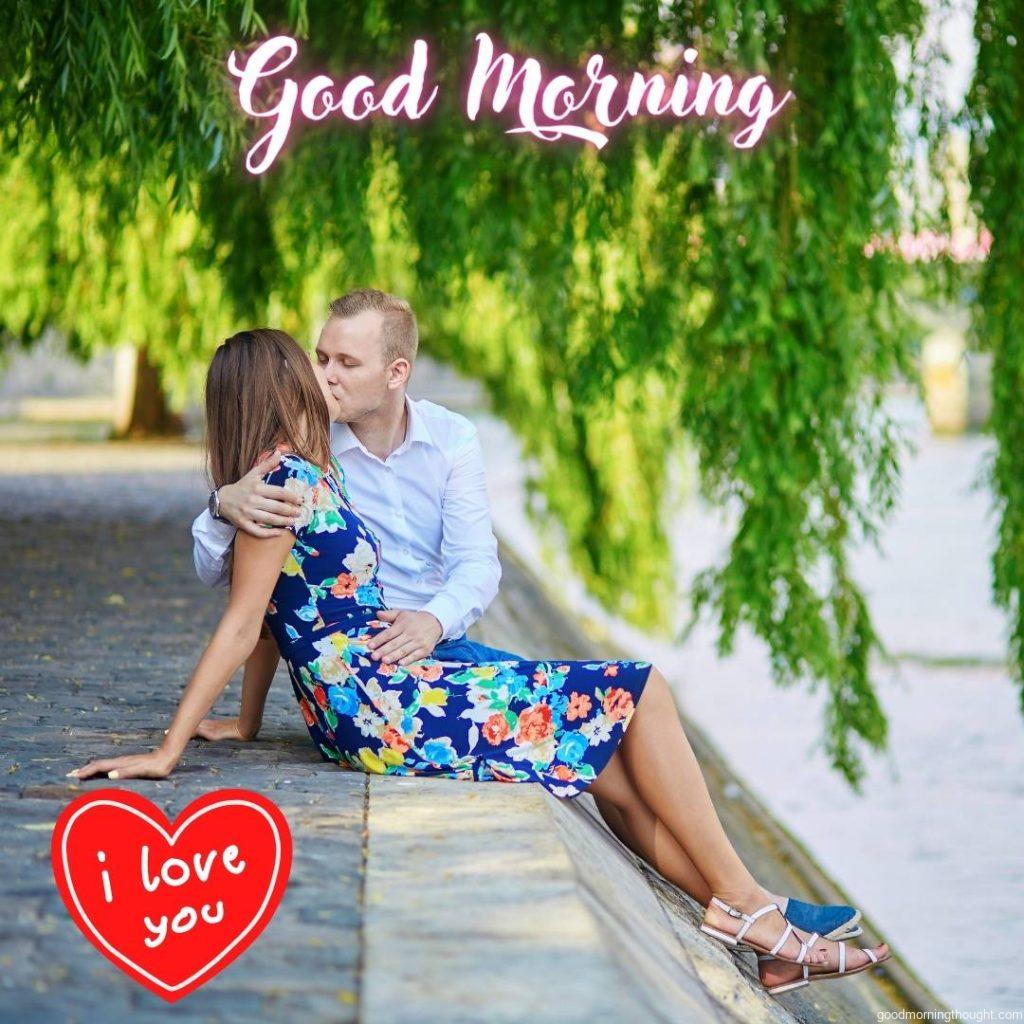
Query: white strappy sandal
738	938
786	986
808	976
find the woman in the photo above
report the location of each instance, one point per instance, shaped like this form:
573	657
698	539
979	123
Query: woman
610	727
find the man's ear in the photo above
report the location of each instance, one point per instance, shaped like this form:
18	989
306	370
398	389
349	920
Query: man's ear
398	373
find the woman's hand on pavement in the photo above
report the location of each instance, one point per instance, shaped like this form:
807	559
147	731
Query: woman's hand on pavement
214	729
157	764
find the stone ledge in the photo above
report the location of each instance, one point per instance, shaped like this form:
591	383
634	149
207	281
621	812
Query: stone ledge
503	903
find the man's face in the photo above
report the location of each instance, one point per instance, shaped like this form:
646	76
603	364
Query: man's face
351	354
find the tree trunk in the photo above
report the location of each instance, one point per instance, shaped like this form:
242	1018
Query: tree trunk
140	405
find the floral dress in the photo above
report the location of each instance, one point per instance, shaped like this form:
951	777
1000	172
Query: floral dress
552	722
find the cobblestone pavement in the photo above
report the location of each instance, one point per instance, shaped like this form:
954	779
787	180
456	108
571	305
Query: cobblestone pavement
101	622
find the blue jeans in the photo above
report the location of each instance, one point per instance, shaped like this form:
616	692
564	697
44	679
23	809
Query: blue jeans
459	648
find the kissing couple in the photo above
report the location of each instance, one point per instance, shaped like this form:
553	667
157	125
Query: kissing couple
353	526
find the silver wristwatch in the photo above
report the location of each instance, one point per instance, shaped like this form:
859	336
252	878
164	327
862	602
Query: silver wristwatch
214	505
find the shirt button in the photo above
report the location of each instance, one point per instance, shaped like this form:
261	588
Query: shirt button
406	551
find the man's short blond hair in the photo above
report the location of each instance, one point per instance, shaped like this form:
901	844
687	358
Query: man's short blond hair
399	334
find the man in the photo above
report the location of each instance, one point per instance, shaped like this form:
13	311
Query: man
415	473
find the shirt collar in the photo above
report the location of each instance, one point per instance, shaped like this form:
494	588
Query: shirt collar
343	440
416	430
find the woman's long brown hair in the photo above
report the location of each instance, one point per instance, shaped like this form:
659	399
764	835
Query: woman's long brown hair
260	392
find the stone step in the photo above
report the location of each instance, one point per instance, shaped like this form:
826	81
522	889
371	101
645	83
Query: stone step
645	924
502	903
474	911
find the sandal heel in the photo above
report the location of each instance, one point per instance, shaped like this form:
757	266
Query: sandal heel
725	937
777	990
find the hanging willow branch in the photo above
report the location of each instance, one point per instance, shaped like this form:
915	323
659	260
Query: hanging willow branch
785	377
139	81
995	117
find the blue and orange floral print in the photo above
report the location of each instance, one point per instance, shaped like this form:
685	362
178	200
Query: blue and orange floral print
552	722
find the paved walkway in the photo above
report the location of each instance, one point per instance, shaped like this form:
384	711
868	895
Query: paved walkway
428	900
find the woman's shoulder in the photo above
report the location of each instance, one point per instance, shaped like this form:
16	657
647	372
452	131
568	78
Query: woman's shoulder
292	467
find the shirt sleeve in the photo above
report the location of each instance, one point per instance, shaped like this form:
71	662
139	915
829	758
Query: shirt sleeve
211	549
469	549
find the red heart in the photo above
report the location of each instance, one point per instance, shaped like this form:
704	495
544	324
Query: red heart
171	908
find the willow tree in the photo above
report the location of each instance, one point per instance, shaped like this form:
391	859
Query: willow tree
111	114
995	116
670	290
88	253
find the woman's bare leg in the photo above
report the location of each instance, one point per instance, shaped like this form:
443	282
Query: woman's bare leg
673	863
639	829
656	756
642	832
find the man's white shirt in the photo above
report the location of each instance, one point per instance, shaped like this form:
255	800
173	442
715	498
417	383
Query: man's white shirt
426	502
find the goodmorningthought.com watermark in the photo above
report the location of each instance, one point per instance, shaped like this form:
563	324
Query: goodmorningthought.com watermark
948	1015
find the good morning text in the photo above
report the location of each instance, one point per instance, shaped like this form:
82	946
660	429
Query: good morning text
547	106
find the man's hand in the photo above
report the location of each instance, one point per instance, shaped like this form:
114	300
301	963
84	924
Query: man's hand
411	636
258	508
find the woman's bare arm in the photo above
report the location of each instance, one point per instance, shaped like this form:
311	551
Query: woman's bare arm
259	674
256	568
256	679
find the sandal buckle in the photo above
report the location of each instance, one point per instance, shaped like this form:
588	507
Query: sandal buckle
731	911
